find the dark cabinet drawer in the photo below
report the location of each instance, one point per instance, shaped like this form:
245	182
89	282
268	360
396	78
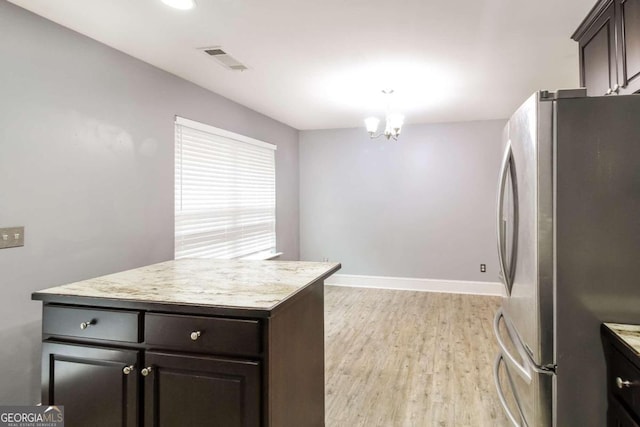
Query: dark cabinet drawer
621	368
203	334
111	325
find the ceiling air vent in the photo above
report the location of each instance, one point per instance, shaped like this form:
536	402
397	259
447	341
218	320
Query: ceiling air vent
223	58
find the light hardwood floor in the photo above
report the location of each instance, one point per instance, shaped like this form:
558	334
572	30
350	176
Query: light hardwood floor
409	359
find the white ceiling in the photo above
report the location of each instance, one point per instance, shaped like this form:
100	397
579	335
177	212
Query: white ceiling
317	64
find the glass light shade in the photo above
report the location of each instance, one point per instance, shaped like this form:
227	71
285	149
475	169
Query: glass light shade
180	4
372	124
387	129
395	121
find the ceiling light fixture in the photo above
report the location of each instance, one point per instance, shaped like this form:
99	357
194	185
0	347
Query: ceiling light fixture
393	122
180	4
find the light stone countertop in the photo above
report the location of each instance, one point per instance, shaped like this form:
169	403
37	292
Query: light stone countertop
630	334
203	282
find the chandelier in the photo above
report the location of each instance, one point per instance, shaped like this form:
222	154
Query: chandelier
393	122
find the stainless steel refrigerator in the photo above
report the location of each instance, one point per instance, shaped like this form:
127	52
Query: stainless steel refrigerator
568	222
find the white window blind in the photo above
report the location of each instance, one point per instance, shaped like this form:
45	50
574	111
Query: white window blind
225	193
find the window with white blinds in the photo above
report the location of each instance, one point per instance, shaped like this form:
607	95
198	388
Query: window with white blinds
225	193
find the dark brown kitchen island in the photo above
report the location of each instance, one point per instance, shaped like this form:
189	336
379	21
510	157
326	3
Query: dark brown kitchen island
189	342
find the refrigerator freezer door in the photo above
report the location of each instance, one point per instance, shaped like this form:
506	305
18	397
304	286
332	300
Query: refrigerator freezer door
506	395
514	393
512	350
529	305
527	386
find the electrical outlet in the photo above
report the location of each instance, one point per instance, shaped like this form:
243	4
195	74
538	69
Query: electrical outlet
483	268
11	237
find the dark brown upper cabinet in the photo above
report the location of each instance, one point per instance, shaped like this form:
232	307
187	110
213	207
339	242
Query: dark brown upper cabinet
629	42
609	42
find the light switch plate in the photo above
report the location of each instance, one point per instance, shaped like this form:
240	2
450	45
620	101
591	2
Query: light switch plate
11	237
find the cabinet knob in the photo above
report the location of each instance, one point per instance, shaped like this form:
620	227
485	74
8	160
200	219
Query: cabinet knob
624	383
616	88
195	335
85	325
146	371
609	91
128	369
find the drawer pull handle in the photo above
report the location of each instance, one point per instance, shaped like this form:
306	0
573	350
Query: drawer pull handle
146	371
195	335
624	383
85	325
128	369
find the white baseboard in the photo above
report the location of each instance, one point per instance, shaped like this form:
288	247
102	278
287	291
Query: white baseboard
423	285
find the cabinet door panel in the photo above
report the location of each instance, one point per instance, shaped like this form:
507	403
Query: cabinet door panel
629	36
598	55
201	391
617	416
90	384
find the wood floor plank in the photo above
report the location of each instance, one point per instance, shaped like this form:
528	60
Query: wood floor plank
409	359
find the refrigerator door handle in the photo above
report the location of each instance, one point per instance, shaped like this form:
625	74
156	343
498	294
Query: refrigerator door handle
503	400
524	372
500	228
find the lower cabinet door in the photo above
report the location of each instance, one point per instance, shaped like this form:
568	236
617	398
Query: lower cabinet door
185	390
617	416
92	384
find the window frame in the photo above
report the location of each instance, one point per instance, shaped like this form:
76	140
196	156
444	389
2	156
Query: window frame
179	125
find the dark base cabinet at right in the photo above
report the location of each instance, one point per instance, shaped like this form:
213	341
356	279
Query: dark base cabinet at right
623	381
617	416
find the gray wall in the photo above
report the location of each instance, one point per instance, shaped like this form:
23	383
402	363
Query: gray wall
422	207
86	164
